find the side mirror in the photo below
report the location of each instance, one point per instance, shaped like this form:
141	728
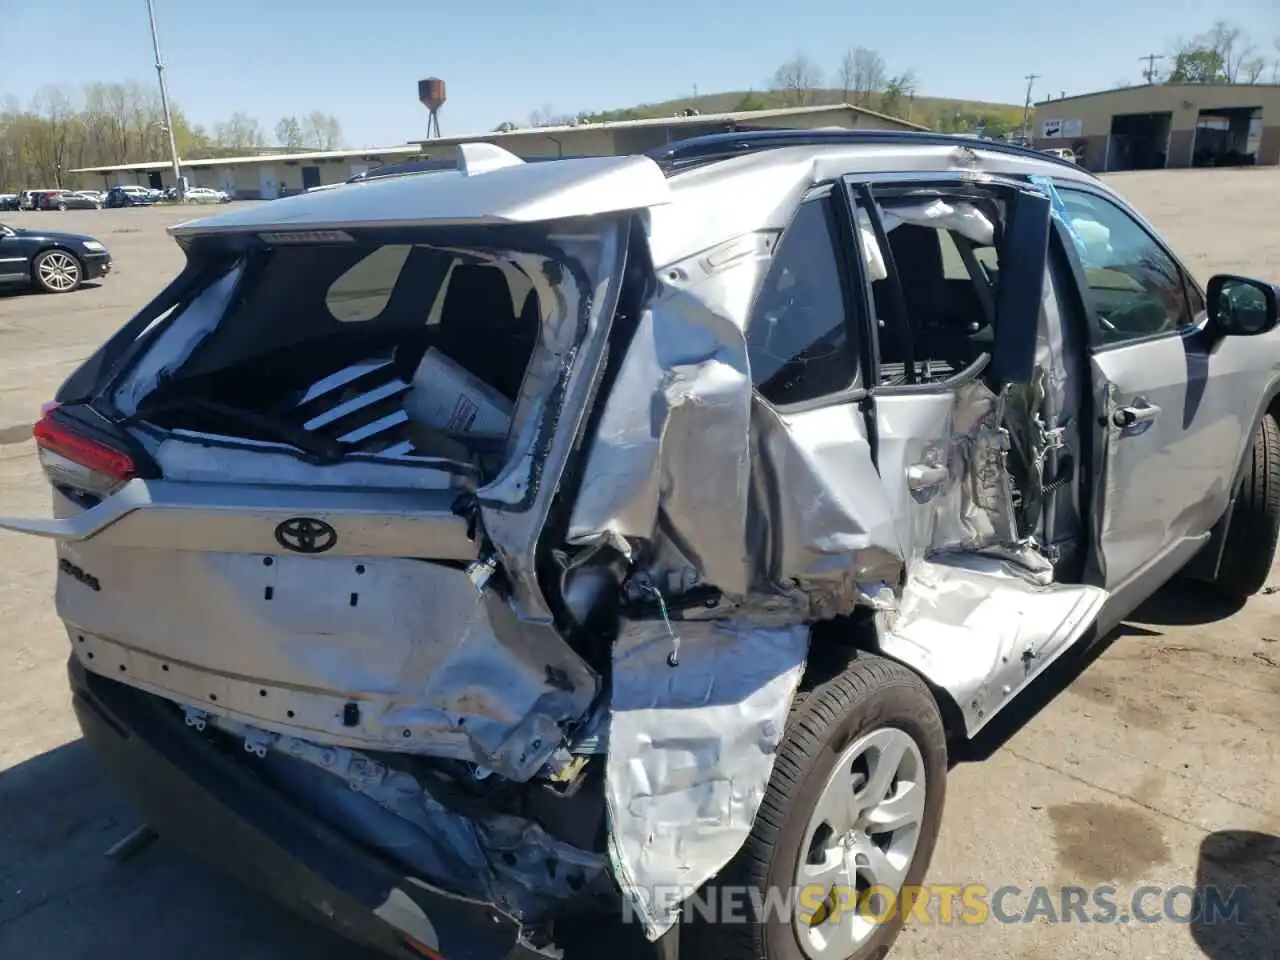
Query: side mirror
1240	307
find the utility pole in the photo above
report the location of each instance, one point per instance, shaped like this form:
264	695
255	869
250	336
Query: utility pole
164	102
1150	72
1027	108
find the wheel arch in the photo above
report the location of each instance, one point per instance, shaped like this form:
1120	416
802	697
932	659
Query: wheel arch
1205	564
833	646
56	245
1269	403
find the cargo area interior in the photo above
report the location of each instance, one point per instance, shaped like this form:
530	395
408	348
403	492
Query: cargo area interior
392	350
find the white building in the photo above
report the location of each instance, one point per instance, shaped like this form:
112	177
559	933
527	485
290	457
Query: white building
266	176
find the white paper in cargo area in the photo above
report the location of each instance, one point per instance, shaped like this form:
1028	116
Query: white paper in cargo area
448	398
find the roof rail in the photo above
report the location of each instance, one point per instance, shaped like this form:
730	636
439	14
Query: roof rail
682	154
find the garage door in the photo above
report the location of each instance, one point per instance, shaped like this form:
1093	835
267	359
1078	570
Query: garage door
267	183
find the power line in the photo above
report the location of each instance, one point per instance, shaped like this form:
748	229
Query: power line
1031	78
1150	72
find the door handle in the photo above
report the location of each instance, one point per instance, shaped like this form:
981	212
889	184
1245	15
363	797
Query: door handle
1124	417
921	476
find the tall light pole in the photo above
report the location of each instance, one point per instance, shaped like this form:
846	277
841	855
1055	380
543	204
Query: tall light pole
1031	78
164	101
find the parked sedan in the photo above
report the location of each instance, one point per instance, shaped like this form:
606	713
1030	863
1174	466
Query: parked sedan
51	261
67	200
8	201
206	195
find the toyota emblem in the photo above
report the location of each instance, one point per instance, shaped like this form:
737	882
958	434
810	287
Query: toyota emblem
306	535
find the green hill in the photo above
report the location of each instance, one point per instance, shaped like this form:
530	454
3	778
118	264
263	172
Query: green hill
939	113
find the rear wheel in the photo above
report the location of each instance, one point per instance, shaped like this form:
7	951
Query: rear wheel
851	816
1255	521
56	271
62	207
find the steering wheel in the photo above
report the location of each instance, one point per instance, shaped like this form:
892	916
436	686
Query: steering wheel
1133	316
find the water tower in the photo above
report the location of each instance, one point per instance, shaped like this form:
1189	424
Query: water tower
432	94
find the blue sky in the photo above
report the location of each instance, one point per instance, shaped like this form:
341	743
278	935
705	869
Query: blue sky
503	59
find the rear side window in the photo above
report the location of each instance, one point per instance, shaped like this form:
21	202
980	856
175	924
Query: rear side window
798	337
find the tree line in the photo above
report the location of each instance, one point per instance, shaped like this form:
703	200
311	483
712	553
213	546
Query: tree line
63	129
1223	54
102	124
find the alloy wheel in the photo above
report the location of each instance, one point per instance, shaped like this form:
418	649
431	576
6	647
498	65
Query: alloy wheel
860	843
59	272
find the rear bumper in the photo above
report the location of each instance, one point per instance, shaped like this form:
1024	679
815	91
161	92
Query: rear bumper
193	795
96	266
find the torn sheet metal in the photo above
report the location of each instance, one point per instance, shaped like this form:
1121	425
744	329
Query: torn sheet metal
719	488
550	414
341	649
813	528
673	445
974	510
691	751
498	858
976	627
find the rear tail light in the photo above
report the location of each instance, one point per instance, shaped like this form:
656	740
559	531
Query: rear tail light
80	462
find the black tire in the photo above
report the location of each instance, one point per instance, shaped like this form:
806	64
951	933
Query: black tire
872	693
62	207
1254	527
48	284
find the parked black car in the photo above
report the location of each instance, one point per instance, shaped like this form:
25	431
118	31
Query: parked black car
51	261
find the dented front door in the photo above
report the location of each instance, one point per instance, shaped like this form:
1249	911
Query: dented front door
1168	433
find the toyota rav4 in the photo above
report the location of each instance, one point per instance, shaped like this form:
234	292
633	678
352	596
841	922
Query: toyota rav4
456	553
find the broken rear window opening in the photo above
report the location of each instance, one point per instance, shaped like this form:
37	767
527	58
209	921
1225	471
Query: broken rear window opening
387	347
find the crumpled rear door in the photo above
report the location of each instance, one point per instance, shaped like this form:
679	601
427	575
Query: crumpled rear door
979	615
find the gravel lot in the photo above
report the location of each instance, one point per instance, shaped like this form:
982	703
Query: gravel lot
1160	765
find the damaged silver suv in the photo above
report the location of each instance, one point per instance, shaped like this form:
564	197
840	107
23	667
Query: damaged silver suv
462	553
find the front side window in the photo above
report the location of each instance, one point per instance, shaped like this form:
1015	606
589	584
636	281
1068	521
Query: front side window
1136	288
798	342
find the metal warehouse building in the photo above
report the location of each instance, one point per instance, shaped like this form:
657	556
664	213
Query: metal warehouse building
267	176
1166	125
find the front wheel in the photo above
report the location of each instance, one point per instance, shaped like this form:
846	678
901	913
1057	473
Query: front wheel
56	271
850	818
1254	527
